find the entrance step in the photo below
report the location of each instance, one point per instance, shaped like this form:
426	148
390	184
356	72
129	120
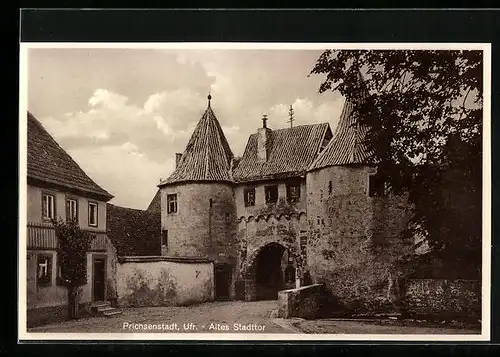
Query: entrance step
112	313
104	308
100	304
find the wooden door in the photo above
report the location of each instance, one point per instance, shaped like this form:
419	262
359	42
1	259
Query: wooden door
99	279
223	282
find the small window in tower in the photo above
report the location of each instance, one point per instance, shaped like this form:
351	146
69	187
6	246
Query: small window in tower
271	194
330	187
376	186
164	240
249	196
290	274
293	192
172	203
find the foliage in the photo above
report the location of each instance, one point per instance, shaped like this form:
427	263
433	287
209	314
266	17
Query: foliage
72	252
424	114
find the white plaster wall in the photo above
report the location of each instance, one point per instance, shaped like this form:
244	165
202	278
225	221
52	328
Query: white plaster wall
163	283
34	207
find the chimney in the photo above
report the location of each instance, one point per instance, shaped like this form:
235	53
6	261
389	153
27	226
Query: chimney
177	159
263	140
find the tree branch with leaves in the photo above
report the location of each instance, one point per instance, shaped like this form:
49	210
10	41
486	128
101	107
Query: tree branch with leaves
424	115
73	245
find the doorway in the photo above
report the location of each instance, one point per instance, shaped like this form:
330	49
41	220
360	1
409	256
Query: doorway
269	274
223	274
99	279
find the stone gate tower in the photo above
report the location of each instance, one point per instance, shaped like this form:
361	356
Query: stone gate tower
354	222
198	212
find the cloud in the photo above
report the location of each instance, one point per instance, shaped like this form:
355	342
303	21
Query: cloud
307	112
125	172
105	98
123	114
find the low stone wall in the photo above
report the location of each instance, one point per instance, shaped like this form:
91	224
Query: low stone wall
440	298
306	302
164	281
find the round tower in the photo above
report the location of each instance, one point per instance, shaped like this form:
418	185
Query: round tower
197	202
354	224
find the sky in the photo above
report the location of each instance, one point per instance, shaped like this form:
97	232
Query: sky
122	114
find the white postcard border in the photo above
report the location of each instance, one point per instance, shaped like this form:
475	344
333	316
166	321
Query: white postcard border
24	335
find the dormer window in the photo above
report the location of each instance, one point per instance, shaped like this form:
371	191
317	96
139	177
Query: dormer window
249	196
326	140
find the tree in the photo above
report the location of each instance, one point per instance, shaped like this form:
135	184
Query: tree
73	245
424	114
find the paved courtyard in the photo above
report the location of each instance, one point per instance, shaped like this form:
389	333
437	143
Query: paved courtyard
234	317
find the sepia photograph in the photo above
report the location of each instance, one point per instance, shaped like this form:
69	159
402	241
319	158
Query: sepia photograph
251	191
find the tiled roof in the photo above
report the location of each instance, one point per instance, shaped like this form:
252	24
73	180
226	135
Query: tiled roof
134	232
348	145
291	152
48	162
207	156
155	204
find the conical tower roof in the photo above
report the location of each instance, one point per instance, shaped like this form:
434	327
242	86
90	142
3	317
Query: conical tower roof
207	156
348	144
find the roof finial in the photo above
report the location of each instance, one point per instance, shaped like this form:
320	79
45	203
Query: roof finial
264	121
290	114
209	98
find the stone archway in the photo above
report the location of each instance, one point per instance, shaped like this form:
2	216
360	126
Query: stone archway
268	272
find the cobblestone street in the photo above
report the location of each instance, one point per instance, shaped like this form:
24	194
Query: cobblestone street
235	317
208	317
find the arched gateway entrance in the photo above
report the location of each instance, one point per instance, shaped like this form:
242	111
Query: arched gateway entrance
273	269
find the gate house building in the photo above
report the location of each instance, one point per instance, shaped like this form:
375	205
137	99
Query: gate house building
58	187
275	217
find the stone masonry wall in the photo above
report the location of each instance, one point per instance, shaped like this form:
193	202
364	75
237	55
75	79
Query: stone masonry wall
305	302
198	230
255	234
283	223
443	298
354	239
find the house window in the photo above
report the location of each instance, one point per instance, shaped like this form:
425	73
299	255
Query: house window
376	186
271	194
93	214
249	195
44	266
293	193
71	209
164	239
48	206
172	203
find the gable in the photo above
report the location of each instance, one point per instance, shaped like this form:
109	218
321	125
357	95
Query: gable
50	163
291	152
